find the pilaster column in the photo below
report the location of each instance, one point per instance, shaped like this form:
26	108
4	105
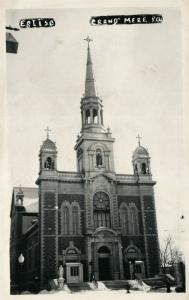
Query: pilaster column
120	261
144	232
83	117
107	162
89	251
95	263
48	201
101	113
91	115
99	121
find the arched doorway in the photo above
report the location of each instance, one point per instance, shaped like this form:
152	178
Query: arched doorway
104	263
106	260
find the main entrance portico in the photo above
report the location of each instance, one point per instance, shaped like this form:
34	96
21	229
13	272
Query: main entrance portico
106	255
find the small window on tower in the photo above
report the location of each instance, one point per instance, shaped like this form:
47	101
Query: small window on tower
19	201
87	116
144	168
49	163
99	157
95	118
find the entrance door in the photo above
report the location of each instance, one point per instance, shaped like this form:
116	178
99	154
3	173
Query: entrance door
139	269
104	263
104	268
74	272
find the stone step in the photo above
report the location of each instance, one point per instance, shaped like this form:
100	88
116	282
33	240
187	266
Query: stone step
155	282
77	287
116	284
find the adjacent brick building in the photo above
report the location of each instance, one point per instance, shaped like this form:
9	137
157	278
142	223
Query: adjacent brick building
94	222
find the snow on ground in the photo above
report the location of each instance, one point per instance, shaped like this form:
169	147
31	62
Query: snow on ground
101	286
139	285
100	289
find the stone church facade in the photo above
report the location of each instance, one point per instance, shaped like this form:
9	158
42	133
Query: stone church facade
94	222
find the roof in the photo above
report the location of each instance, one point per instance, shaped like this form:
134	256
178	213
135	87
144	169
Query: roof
48	145
10	37
140	151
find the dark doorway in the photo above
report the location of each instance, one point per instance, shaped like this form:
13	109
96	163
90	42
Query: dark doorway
104	263
104	268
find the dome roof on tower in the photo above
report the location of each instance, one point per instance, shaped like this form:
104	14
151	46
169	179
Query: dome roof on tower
48	145
140	151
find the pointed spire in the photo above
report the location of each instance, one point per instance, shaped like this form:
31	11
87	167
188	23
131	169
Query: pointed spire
89	81
19	197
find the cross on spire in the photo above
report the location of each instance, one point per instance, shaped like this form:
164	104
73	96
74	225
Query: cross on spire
88	40
139	138
47	130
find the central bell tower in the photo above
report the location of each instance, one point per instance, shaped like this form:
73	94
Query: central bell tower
91	105
94	146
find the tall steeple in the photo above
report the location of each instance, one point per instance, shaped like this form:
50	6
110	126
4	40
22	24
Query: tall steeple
91	104
94	146
89	81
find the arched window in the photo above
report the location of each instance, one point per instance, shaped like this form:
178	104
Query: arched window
95	116
65	221
71	218
133	220
49	163
132	253
101	205
19	201
87	116
75	220
144	169
104	249
99	161
124	219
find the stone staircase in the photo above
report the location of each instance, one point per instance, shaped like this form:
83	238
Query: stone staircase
78	287
155	282
160	281
116	284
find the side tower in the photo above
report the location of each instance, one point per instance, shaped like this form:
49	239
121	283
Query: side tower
141	160
48	211
142	171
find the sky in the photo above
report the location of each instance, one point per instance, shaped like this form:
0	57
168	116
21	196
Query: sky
138	72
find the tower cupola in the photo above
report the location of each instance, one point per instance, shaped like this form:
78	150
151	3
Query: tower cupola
141	160
48	155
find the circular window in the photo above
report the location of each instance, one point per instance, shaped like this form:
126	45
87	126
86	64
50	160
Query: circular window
101	201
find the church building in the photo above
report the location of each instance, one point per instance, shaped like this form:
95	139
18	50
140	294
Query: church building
93	222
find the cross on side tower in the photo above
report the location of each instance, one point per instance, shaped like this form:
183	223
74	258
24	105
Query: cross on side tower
139	138
47	130
88	40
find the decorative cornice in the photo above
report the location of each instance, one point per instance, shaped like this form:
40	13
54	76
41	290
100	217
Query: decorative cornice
102	137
